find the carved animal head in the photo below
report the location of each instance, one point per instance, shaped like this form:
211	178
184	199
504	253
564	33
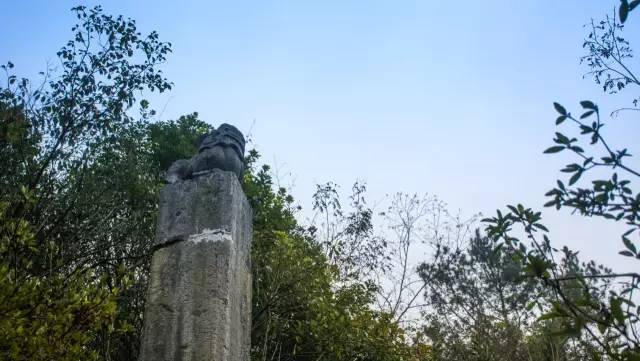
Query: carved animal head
225	136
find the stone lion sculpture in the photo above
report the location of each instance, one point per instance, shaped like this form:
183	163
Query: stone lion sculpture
222	148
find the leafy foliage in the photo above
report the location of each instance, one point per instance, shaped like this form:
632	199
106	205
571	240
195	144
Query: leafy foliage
173	140
414	221
300	310
46	315
626	7
79	202
593	304
78	205
477	302
347	239
607	53
60	142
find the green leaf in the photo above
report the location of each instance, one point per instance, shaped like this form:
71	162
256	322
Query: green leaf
587	104
616	309
571	168
540	226
560	109
554	149
626	253
531	305
556	312
560	185
548	316
623	11
561	119
575	178
586	114
630	246
562	139
585	129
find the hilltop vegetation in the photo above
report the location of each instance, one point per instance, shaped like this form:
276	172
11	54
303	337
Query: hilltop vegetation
83	158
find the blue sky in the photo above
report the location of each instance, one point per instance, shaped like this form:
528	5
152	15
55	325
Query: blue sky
450	98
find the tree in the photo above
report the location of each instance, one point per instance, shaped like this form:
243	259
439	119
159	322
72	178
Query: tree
478	307
123	187
347	239
78	207
414	221
46	315
594	305
302	309
60	229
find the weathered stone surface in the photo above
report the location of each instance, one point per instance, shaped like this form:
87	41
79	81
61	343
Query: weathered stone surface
199	297
222	148
211	201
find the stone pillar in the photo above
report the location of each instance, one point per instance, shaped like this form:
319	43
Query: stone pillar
199	298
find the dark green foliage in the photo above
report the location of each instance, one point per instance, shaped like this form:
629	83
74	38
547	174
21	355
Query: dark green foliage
173	140
46	314
60	142
131	175
79	197
78	211
626	7
346	235
592	305
608	55
477	302
300	312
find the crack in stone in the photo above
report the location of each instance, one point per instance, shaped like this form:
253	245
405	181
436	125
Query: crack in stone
207	235
166	244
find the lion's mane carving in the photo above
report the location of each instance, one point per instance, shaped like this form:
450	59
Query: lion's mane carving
223	148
